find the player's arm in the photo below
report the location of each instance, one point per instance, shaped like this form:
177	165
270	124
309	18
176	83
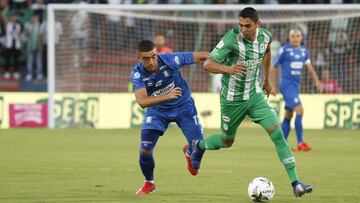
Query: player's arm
266	70
145	101
212	66
273	73
314	76
200	56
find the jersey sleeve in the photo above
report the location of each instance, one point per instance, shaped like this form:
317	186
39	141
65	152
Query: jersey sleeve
179	59
222	49
137	80
307	57
279	58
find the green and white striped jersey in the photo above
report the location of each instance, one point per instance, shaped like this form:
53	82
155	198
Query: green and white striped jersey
232	49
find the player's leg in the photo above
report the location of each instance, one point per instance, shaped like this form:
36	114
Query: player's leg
231	116
292	100
188	120
299	110
261	112
153	126
149	138
285	125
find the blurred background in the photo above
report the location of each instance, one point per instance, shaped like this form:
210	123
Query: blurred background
95	43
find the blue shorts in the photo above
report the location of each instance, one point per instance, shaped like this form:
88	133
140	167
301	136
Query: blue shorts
185	116
291	97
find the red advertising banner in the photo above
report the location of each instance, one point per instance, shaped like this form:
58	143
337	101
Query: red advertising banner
28	115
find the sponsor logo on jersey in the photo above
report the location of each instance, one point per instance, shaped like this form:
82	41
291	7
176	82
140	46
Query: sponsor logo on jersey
177	60
136	75
295	72
164	90
148	119
158	83
166	74
146	79
251	63
225	126
220	44
226	118
296	65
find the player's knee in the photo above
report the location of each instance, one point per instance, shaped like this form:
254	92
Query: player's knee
144	151
299	110
146	155
273	129
227	142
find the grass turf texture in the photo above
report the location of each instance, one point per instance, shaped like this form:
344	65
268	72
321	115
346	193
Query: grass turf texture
82	165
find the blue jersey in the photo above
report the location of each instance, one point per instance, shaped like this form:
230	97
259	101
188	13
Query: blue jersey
292	61
167	78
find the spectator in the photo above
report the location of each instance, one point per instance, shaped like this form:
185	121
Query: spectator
4	6
2	32
330	85
39	9
160	44
32	30
13	46
18	4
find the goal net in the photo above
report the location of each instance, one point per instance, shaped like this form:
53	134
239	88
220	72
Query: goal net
92	48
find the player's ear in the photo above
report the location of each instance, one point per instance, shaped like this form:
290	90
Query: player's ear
138	54
258	23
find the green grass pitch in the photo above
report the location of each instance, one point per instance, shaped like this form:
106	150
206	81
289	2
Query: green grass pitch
83	165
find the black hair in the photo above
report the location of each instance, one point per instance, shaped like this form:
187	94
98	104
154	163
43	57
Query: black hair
145	46
249	12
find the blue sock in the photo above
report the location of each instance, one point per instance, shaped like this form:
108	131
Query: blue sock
146	160
299	128
285	127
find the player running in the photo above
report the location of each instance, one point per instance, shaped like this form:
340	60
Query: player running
292	58
159	87
239	56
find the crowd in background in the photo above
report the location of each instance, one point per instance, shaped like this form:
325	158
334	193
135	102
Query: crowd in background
23	39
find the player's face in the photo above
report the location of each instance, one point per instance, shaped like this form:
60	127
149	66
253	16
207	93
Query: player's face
295	38
248	28
149	60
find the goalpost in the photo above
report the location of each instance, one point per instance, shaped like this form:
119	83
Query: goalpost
96	48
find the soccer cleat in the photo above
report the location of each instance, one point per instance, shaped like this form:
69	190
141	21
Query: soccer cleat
191	169
146	188
196	154
300	188
304	147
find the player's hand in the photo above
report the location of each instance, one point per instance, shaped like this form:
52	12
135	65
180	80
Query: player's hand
267	87
319	87
175	93
236	69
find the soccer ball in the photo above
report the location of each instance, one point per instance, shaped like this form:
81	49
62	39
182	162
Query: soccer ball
261	190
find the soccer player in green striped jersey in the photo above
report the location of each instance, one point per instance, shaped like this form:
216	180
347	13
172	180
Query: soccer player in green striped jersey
239	56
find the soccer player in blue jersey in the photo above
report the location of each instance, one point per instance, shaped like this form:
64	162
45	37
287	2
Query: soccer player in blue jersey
159	87
292	57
